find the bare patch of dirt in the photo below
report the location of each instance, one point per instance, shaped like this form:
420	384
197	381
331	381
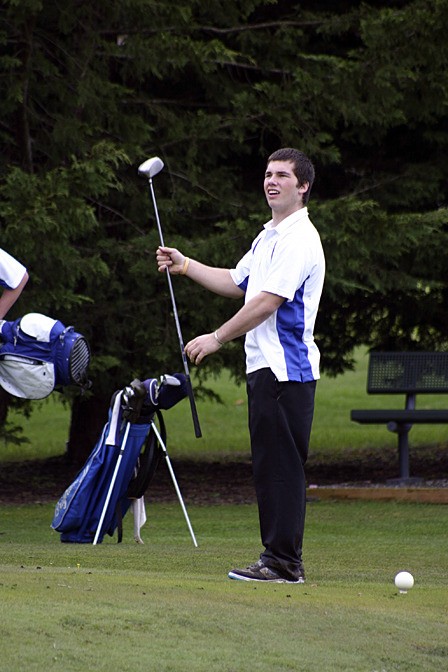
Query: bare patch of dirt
213	482
199	482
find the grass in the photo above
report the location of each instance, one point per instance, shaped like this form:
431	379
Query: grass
224	426
167	606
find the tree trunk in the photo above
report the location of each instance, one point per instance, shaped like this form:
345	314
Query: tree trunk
4	404
88	417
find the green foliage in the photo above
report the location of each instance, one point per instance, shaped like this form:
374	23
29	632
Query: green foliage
389	285
49	217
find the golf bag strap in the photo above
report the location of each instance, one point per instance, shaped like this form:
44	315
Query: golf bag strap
161	425
145	477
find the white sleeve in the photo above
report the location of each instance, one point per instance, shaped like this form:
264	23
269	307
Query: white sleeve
241	273
11	271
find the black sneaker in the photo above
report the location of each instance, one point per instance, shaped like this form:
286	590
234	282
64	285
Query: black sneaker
259	572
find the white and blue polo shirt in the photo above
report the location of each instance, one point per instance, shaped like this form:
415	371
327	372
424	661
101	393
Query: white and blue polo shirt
287	260
11	271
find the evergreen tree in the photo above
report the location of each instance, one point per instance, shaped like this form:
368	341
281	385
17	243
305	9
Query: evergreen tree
90	91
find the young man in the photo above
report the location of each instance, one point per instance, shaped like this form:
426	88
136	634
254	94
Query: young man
13	278
281	277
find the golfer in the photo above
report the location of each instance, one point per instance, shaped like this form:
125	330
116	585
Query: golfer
13	278
281	278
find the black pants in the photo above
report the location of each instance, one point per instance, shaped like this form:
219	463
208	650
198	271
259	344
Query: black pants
280	419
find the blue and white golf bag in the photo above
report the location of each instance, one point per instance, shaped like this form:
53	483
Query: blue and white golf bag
121	465
39	354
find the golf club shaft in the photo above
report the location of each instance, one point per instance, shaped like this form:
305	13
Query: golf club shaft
194	412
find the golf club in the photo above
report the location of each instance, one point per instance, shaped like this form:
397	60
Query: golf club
150	168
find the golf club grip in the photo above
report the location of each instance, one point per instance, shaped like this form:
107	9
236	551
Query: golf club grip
194	412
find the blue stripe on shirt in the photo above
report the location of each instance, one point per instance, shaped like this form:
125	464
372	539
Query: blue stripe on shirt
290	329
243	285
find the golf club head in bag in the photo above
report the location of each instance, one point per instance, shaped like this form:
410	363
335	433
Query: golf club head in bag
142	398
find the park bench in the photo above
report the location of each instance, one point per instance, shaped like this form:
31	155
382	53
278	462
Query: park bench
408	373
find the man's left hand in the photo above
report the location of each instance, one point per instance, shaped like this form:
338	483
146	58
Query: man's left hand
200	347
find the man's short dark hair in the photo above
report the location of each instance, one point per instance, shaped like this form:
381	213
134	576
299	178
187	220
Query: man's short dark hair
303	168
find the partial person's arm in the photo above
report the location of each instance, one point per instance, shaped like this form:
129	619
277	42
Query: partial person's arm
253	313
217	280
10	296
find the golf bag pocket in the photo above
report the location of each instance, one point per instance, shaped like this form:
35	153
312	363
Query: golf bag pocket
39	354
26	378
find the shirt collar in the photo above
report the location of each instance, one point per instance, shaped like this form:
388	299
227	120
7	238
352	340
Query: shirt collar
288	221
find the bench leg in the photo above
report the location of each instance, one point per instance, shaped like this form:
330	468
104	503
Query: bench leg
403	452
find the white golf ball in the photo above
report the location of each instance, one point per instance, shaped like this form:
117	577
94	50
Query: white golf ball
404	581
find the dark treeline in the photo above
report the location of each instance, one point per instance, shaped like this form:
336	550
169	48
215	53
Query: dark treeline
90	90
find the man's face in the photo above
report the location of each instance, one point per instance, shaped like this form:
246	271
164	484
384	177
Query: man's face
283	193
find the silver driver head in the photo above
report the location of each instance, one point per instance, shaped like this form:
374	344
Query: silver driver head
151	167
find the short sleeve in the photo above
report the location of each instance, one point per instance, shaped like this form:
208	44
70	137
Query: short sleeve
11	271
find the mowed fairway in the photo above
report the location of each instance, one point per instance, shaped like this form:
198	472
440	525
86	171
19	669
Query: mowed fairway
167	606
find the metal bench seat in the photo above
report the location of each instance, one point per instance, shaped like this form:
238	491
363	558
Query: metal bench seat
423	416
408	373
